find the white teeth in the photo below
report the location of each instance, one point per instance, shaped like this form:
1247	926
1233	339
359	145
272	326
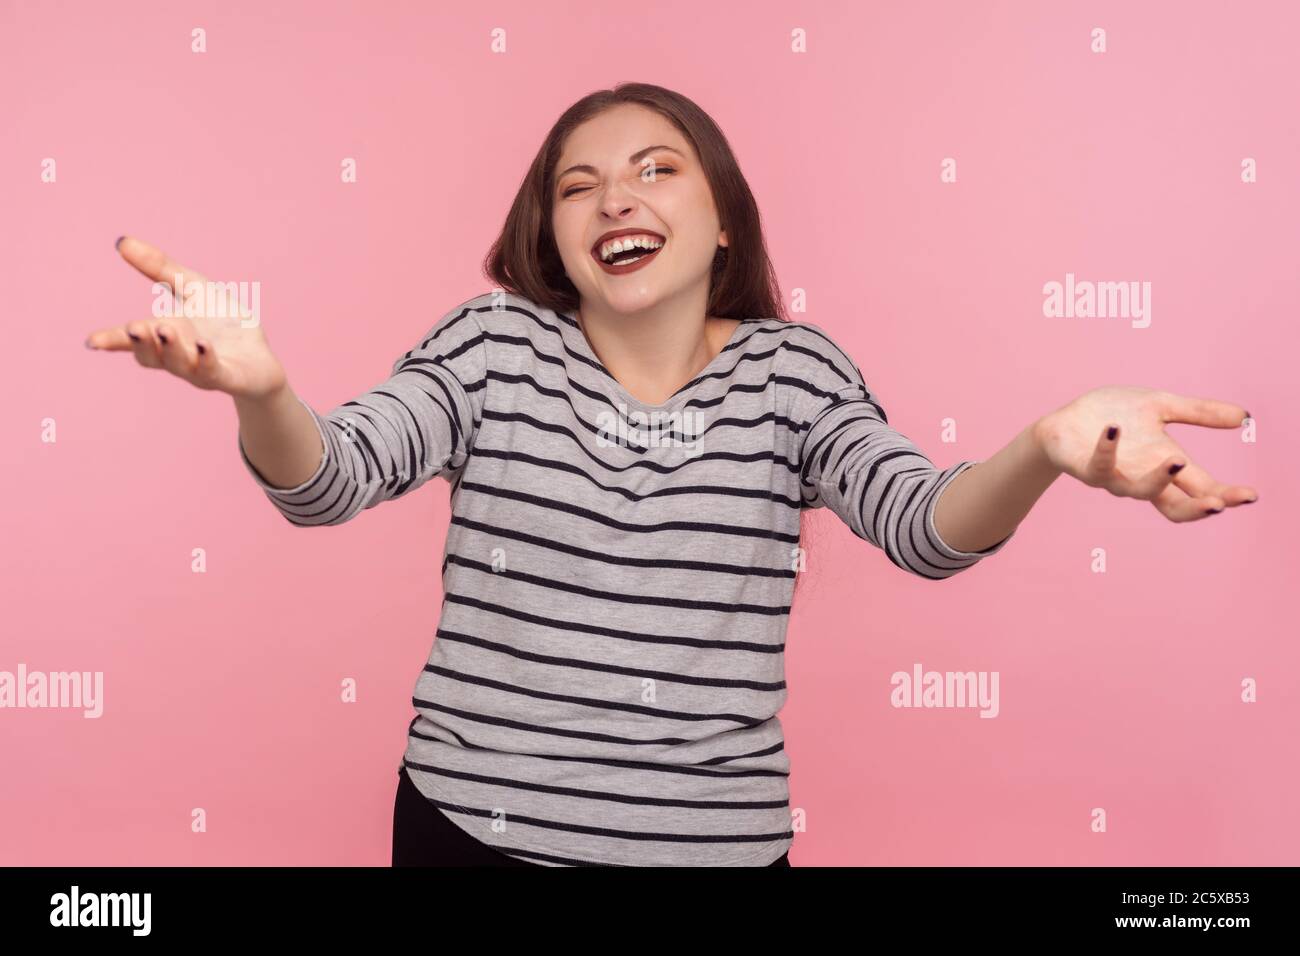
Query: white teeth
625	243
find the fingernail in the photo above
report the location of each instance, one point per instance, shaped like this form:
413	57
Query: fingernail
203	349
88	345
1111	432
134	337
1212	511
162	338
118	244
1250	501
1175	469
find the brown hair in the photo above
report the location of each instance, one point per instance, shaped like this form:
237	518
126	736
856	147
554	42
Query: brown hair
524	260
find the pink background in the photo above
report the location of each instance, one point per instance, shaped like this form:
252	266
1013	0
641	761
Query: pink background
1118	690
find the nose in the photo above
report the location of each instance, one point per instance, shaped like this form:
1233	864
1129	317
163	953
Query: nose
618	202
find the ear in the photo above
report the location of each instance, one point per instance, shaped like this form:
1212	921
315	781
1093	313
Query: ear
722	238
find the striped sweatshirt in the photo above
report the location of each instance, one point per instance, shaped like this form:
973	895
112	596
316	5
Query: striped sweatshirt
608	666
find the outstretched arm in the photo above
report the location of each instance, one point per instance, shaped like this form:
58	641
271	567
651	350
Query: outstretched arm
1111	438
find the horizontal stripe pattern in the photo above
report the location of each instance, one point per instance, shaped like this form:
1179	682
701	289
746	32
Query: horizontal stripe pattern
881	484
608	668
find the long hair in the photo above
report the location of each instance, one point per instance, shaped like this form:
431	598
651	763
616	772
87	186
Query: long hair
525	260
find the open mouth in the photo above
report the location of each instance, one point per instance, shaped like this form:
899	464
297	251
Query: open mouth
635	255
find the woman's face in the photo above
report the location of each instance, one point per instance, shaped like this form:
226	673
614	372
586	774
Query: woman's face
635	171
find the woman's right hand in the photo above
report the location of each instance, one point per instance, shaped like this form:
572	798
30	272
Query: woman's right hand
221	352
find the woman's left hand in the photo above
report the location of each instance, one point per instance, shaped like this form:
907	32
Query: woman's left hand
1135	459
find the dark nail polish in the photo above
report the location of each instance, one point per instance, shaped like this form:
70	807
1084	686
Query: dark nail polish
1248	415
1175	469
133	337
1212	511
118	244
1250	501
1110	432
163	338
203	349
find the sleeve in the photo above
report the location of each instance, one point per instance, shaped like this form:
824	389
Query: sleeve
853	462
419	423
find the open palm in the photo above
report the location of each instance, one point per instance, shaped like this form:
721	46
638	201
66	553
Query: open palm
1114	438
211	346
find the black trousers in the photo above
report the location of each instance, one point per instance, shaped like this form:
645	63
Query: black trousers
423	836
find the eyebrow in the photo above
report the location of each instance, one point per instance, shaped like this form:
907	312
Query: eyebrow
635	158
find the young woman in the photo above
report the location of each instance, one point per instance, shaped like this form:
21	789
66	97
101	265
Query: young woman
631	430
